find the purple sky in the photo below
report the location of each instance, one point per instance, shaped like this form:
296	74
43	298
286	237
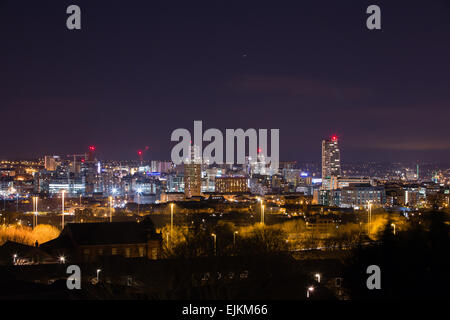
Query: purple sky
140	69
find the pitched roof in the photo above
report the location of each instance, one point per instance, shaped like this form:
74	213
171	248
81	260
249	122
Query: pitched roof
9	248
109	233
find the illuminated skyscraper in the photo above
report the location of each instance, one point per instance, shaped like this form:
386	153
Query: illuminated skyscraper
193	173
192	180
331	159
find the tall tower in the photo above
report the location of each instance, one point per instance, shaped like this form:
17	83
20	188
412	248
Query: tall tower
193	173
331	158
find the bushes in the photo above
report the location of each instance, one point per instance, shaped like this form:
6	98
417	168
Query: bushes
26	235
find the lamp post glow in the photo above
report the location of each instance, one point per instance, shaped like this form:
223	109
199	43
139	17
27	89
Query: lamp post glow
234	238
308	292
215	240
62	259
14	258
393	225
98	273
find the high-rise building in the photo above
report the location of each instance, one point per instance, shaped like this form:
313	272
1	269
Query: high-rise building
51	162
331	159
193	173
192	179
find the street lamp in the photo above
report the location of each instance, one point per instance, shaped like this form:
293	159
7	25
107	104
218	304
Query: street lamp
110	208
262	214
262	210
62	212
309	291
139	200
14	258
369	219
62	259
35	211
215	240
393	225
171	222
17	199
317	275
167	239
234	238
98	273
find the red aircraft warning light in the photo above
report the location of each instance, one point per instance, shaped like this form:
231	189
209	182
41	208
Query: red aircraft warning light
334	138
92	148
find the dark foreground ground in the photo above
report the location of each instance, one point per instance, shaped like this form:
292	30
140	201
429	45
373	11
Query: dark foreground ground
276	277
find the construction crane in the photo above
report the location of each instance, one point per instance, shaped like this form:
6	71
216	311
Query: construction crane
74	164
84	155
141	154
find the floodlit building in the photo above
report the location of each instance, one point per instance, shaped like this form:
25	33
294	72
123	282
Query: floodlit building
86	242
231	184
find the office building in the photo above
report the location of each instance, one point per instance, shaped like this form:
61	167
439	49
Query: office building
231	184
331	159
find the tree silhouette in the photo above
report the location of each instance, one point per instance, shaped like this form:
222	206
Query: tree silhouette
413	262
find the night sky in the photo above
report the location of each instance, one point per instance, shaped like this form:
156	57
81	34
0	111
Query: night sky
140	69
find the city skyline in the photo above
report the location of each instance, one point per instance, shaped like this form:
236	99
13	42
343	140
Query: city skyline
145	156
